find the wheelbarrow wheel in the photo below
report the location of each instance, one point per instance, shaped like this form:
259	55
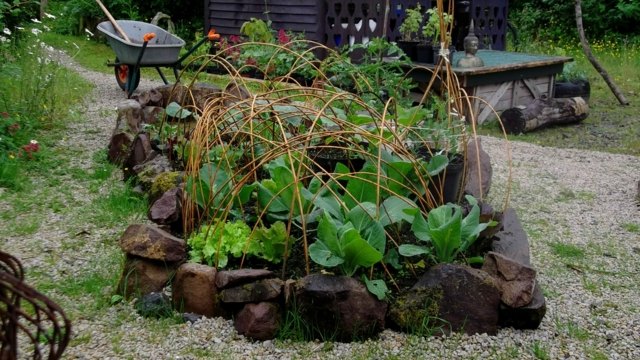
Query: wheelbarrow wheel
122	72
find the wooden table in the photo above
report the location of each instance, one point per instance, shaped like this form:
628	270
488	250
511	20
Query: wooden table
506	80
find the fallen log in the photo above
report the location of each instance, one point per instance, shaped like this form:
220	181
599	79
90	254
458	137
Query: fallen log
543	112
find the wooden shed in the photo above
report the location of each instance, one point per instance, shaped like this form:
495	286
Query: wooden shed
337	23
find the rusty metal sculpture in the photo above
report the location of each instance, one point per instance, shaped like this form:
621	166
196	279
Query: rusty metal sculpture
30	323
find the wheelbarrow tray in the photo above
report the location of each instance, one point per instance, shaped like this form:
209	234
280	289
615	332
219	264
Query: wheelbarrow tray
164	49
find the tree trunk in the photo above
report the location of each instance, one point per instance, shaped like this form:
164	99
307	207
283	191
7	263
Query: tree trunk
587	51
43	7
542	113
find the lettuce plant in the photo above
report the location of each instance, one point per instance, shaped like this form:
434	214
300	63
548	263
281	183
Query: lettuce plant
445	231
214	244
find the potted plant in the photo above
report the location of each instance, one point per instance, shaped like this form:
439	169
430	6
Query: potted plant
431	31
428	134
572	82
410	31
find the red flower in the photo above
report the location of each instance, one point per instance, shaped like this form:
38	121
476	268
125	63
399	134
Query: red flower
283	38
251	61
234	39
13	128
30	148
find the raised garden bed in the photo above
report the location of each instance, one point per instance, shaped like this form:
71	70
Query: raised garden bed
270	237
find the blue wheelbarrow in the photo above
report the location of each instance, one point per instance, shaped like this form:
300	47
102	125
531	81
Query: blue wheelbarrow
148	46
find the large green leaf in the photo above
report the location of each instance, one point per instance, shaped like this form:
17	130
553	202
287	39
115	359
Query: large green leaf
437	164
363	217
444	227
412	250
471	226
394	209
362	187
376	287
176	111
328	233
420	227
268	198
322	255
357	252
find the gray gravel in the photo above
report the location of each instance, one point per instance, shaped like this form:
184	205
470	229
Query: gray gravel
563	196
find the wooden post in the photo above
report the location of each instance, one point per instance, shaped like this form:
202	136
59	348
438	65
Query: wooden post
542	113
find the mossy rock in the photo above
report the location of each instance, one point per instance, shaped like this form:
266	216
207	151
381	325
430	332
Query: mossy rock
417	311
163	183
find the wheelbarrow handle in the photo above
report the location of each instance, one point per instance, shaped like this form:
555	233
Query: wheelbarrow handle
113	21
211	36
130	83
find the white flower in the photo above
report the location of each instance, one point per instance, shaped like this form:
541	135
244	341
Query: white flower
36	32
19	28
46	28
88	32
6	31
76	45
50	16
36	21
33	142
3	39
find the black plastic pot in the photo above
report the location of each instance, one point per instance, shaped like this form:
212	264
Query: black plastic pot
424	53
575	88
325	159
447	186
410	48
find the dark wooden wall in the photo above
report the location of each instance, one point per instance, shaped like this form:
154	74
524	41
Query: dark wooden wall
336	22
227	16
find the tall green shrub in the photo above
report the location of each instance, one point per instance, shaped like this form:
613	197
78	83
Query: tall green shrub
552	19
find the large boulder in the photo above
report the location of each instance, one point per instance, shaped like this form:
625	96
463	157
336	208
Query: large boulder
512	240
525	317
479	172
119	147
467	299
340	306
515	280
195	96
167	210
147	172
140	152
164	182
129	116
194	290
152	243
142	276
259	321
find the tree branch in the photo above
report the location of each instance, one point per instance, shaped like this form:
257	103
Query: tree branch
587	51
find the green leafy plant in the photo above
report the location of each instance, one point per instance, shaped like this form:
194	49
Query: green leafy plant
410	27
377	81
447	233
432	26
215	190
214	244
281	194
257	30
273	243
350	243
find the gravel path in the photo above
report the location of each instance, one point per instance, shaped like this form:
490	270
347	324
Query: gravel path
574	197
